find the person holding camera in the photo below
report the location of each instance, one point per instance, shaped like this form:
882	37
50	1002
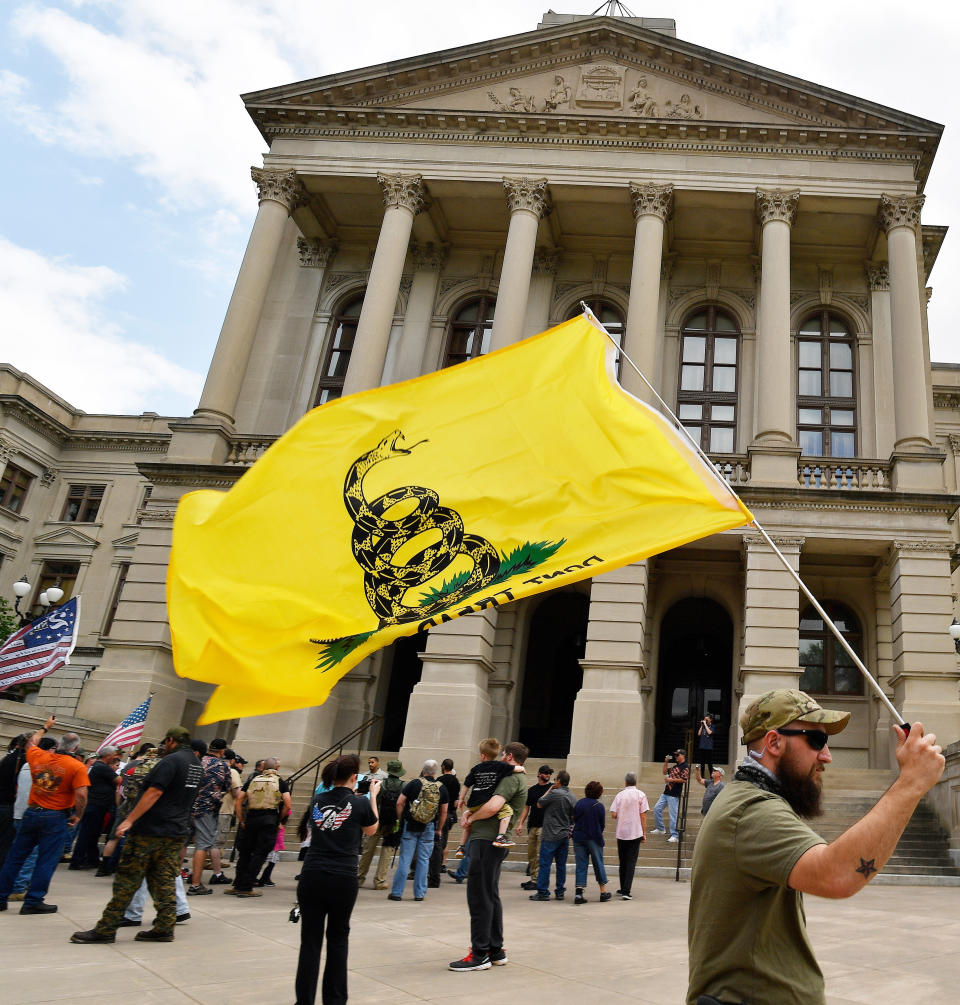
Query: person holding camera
705	743
676	772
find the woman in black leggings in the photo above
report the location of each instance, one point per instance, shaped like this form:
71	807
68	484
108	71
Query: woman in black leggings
327	889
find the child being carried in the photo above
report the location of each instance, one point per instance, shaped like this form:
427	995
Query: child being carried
482	780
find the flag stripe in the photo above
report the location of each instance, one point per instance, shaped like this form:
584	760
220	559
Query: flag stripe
40	648
129	731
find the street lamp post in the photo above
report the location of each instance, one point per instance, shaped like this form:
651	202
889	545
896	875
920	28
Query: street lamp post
955	634
49	597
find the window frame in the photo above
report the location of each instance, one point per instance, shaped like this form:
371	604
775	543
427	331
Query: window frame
598	305
123	572
13	478
827	403
87	498
330	386
484	324
837	612
707	399
52	571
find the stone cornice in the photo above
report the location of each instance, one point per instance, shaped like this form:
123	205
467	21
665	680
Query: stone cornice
777	204
900	211
530	194
403	190
208	476
923	545
649	199
847	501
279	186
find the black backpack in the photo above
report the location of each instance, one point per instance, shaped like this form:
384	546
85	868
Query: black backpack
387	803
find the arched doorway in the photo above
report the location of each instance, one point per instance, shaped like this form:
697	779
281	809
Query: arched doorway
405	671
694	675
553	675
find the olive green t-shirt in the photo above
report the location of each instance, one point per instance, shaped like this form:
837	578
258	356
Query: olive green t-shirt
514	790
746	929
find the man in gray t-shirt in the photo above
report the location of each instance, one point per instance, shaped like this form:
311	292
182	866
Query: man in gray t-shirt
557	806
711	789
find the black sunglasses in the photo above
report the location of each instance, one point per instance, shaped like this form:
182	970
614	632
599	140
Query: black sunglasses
817	738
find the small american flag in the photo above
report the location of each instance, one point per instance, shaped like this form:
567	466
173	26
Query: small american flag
130	730
41	647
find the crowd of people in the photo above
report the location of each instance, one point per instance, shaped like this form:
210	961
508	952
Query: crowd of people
754	857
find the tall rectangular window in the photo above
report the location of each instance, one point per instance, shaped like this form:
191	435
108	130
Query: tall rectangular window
826	393
115	600
14	485
707	395
83	503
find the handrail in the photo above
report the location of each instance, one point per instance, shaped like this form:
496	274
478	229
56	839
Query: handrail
684	800
315	764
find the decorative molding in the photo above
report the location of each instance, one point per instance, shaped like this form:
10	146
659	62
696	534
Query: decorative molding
651	200
530	194
335	279
279	186
677	293
517	100
749	297
857	300
446	285
315	253
954	443
155	516
47	477
825	279
713	279
403	295
667	262
403	190
777	204
946	399
7	452
928	293
878	276
780	540
546	260
924	544
429	257
600	86
900	211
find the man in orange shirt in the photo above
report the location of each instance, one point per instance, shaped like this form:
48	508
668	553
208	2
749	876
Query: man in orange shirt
58	798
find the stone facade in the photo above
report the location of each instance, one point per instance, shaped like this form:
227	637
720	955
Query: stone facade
421	212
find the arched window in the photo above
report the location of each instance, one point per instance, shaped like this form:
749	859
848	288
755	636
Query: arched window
337	360
707	396
609	315
826	402
827	668
469	331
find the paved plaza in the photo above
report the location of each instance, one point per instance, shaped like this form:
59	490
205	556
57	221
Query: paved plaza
890	943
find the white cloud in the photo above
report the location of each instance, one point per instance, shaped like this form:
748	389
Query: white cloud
58	317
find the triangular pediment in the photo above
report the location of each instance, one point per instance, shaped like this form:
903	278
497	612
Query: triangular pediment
126	543
598	67
65	537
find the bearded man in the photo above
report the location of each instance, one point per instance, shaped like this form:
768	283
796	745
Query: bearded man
755	857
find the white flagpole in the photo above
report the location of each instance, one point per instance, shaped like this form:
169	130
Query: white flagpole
756	526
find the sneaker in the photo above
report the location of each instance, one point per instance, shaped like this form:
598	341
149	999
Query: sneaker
198	891
540	896
218	879
460	852
605	896
626	896
498	957
185	873
393	896
128	923
673	839
264	882
502	841
529	885
92	936
39	908
658	830
472	962
152	935
580	899
559	895
380	886
182	918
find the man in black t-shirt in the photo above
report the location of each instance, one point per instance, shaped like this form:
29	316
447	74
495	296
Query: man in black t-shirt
156	827
9	770
101	806
452	784
533	816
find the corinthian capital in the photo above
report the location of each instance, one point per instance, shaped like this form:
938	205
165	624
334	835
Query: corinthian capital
404	190
777	205
546	260
530	194
652	200
900	211
314	252
878	276
279	186
429	257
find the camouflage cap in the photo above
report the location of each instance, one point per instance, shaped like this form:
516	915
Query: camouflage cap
778	708
178	733
395	768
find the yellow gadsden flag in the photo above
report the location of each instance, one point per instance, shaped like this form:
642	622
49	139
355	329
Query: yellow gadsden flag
390	511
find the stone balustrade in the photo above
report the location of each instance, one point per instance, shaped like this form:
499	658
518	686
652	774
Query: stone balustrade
846	473
247	449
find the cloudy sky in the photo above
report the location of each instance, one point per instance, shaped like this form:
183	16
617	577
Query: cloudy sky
126	199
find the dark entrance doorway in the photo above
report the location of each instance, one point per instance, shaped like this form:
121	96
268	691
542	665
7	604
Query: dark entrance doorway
405	672
694	677
553	675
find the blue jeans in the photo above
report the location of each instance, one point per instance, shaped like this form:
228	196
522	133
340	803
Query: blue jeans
585	852
45	830
134	911
22	881
419	846
464	866
551	851
673	802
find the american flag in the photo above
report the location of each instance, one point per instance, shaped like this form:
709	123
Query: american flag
130	730
40	648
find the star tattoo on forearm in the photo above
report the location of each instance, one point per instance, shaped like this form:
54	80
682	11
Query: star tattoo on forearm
867	866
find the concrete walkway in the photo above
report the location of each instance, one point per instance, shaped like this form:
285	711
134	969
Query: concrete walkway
887	944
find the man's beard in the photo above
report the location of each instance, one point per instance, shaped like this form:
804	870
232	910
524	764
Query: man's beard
801	790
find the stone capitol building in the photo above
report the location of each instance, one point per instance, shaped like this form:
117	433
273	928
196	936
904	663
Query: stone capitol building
756	242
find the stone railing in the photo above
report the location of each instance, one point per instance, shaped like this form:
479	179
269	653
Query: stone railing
945	798
246	449
735	468
847	473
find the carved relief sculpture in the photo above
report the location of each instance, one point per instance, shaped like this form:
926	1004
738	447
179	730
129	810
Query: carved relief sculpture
429	257
404	190
642	103
315	253
601	86
528	193
279	186
546	260
777	205
559	94
900	211
684	109
878	276
517	101
652	200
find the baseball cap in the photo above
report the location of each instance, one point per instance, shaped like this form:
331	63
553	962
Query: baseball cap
544	769
218	744
777	708
177	733
679	751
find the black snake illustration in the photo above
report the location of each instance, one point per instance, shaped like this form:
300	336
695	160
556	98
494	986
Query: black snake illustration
378	538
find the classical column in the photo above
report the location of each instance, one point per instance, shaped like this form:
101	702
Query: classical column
545	262
925	671
280	194
776	212
652	206
528	200
428	260
878	279
900	217
610	716
404	196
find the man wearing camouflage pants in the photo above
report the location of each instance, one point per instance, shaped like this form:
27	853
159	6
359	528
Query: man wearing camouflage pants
158	825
